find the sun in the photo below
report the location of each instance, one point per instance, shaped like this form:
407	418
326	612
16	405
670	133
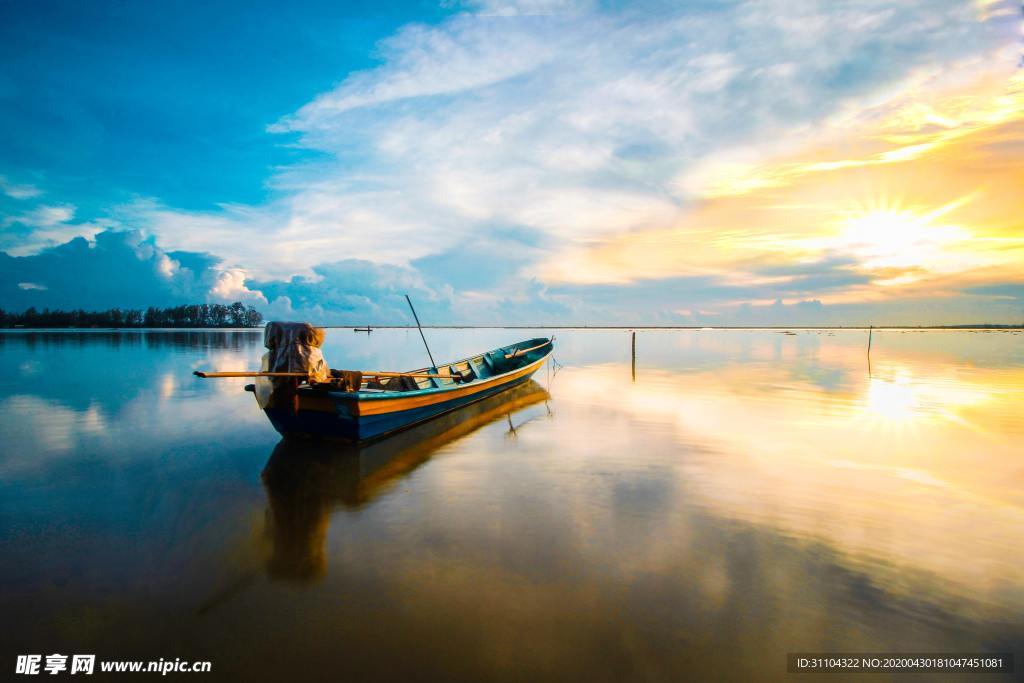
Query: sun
904	241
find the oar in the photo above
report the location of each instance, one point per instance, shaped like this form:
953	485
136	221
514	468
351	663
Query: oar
365	373
520	352
206	375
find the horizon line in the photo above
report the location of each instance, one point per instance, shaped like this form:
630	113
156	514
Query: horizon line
973	326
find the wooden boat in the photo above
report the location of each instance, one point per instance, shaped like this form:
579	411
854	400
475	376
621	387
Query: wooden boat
381	408
305	480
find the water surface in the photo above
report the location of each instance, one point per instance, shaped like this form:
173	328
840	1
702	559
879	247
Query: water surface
737	496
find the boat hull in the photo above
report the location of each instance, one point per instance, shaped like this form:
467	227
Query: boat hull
316	423
358	417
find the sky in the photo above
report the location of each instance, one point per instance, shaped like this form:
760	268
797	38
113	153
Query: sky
774	162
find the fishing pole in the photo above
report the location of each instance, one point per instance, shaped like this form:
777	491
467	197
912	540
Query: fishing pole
420	328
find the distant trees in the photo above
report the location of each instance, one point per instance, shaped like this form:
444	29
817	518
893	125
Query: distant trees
195	315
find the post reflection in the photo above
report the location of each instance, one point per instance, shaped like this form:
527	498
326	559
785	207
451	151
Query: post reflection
305	480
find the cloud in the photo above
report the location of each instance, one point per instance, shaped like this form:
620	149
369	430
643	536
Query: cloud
43	216
825	275
128	270
1003	290
45	225
510	8
231	286
922	119
352	291
490	262
544	159
120	269
932	223
574	128
421	61
125	269
18	191
356	291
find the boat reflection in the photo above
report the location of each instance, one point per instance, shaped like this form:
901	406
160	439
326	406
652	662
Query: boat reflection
305	480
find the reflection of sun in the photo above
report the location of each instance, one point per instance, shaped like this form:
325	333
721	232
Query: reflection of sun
901	402
892	400
893	405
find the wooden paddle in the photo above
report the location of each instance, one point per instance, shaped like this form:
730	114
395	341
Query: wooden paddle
365	373
520	352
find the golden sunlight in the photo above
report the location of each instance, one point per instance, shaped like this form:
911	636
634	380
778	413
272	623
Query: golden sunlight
892	238
921	195
891	401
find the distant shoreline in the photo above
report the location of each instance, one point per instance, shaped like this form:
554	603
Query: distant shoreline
683	327
528	327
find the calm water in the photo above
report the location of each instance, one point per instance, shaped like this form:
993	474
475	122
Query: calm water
751	493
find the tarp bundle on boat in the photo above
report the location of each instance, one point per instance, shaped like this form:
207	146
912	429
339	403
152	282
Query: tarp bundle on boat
291	347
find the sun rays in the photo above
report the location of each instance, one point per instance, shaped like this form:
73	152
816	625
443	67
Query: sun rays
900	244
914	199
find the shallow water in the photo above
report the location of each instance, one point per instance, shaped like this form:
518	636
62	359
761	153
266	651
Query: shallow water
747	494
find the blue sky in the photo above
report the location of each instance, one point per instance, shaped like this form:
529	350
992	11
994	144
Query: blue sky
536	161
105	101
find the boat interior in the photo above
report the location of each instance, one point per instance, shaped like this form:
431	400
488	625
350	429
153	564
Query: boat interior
475	368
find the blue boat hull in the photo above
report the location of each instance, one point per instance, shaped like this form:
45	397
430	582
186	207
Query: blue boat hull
341	425
322	410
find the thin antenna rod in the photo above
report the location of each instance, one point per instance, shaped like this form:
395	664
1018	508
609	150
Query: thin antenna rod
420	328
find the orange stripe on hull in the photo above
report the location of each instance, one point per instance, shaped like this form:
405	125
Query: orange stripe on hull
391	405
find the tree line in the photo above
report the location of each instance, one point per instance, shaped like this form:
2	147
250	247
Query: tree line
194	315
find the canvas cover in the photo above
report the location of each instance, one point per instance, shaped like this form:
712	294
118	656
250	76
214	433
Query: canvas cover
291	347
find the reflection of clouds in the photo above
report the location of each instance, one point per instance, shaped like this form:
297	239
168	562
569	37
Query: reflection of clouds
167	386
226	362
171	406
34	425
590	532
712	513
587	497
829	466
29	367
196	411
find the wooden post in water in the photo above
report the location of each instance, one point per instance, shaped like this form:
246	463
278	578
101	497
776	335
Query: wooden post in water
634	355
871	329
